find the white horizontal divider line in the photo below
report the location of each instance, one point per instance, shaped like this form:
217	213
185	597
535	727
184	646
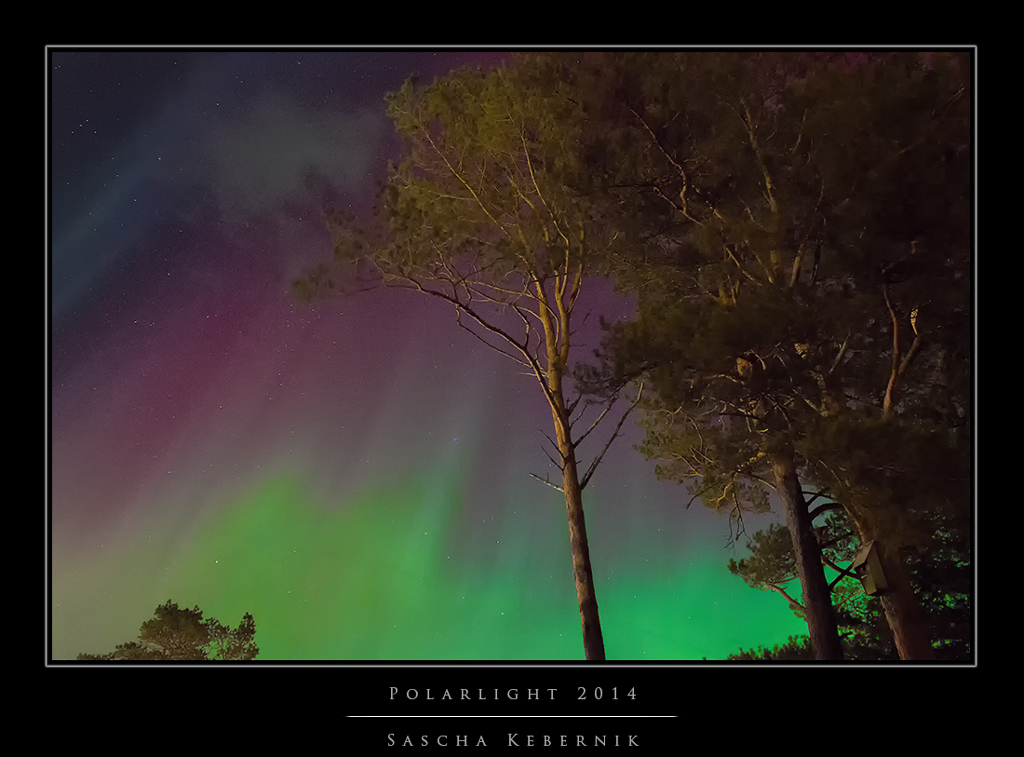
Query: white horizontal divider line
511	716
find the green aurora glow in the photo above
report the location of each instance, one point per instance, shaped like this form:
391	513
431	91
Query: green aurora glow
355	475
399	575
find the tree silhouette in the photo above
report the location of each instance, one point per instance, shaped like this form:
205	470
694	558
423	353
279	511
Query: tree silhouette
177	633
939	570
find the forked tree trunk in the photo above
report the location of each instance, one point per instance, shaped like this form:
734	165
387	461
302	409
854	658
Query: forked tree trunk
821	620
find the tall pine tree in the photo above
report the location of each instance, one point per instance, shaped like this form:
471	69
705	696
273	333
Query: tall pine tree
483	214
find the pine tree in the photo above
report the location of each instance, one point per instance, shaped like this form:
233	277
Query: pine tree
796	232
178	633
939	570
483	214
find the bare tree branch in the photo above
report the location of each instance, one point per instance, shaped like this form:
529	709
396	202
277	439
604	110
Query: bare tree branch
824	508
599	419
615	434
560	466
792	602
843	572
899	368
556	487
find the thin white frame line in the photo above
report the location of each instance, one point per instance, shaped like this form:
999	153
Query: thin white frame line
511	716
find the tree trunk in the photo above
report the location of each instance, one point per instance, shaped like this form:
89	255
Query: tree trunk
900	605
557	342
821	620
593	641
902	610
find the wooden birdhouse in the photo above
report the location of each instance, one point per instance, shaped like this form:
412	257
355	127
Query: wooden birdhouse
868	567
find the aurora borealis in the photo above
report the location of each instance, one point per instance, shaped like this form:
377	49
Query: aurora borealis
354	473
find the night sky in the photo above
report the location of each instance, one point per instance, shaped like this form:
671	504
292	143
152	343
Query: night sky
354	473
